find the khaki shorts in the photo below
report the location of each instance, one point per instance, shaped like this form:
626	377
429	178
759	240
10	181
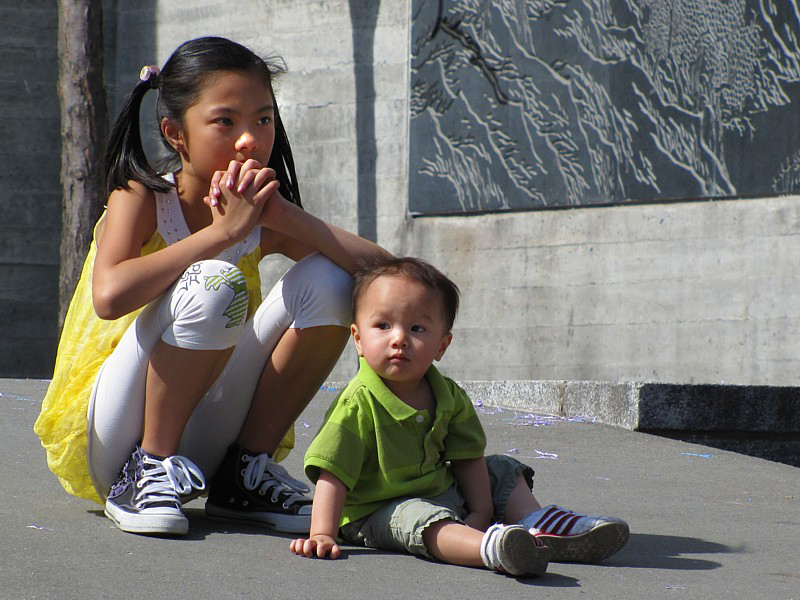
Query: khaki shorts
399	525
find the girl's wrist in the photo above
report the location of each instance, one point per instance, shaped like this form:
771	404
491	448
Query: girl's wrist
218	238
225	234
277	213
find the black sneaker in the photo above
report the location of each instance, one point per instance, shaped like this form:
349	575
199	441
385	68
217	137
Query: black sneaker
251	487
146	496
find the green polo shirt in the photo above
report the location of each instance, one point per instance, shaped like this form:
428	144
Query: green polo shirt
382	449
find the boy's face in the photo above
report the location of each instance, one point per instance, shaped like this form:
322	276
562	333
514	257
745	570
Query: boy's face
399	329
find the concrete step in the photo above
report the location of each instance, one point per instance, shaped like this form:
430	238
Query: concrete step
760	421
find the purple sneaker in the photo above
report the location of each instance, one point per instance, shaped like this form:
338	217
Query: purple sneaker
146	496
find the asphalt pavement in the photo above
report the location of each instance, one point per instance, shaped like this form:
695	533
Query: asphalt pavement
705	523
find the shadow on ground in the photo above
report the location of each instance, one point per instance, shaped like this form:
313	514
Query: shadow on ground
649	551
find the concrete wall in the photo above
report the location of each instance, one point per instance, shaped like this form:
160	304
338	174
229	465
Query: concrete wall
684	293
689	292
30	192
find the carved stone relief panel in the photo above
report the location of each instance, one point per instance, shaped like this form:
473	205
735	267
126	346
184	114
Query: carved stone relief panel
530	104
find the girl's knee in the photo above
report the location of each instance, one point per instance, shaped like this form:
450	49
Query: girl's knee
318	270
320	291
207	307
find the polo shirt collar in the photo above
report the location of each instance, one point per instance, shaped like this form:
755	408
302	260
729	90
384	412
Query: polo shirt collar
396	407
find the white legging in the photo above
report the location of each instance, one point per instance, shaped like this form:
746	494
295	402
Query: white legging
204	310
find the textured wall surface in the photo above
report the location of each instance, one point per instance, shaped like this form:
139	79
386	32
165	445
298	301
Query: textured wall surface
694	293
699	292
518	105
30	192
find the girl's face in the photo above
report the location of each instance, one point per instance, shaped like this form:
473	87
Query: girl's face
232	120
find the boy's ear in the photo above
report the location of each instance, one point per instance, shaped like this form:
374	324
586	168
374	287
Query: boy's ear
356	338
443	347
173	134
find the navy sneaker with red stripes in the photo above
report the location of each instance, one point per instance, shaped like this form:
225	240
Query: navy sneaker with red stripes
577	538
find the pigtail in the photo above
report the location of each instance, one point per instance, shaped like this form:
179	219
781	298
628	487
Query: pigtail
125	159
282	162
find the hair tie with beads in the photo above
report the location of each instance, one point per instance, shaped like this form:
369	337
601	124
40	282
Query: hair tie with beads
150	73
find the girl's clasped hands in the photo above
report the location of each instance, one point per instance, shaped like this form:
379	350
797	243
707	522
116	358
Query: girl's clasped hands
239	195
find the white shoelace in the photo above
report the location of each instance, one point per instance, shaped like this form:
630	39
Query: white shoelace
166	480
261	470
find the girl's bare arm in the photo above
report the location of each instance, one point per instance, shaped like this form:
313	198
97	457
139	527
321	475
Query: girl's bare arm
296	233
124	281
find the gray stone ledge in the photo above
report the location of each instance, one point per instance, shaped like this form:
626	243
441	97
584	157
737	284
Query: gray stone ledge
645	406
652	406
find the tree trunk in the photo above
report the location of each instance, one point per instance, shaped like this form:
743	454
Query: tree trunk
84	126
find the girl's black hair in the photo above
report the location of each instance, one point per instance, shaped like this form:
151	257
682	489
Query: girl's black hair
179	85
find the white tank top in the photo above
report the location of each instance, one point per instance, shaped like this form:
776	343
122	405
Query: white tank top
173	228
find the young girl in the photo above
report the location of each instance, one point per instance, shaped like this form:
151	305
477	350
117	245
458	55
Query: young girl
170	366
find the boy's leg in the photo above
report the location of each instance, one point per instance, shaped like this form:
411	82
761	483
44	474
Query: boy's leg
400	525
433	527
521	502
507	549
511	484
453	542
570	536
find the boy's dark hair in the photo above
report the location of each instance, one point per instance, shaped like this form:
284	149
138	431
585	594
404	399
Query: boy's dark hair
179	86
414	269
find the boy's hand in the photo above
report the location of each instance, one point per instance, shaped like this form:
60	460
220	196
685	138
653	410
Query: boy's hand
318	546
472	477
329	495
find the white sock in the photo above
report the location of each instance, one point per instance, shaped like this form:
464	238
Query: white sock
488	550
